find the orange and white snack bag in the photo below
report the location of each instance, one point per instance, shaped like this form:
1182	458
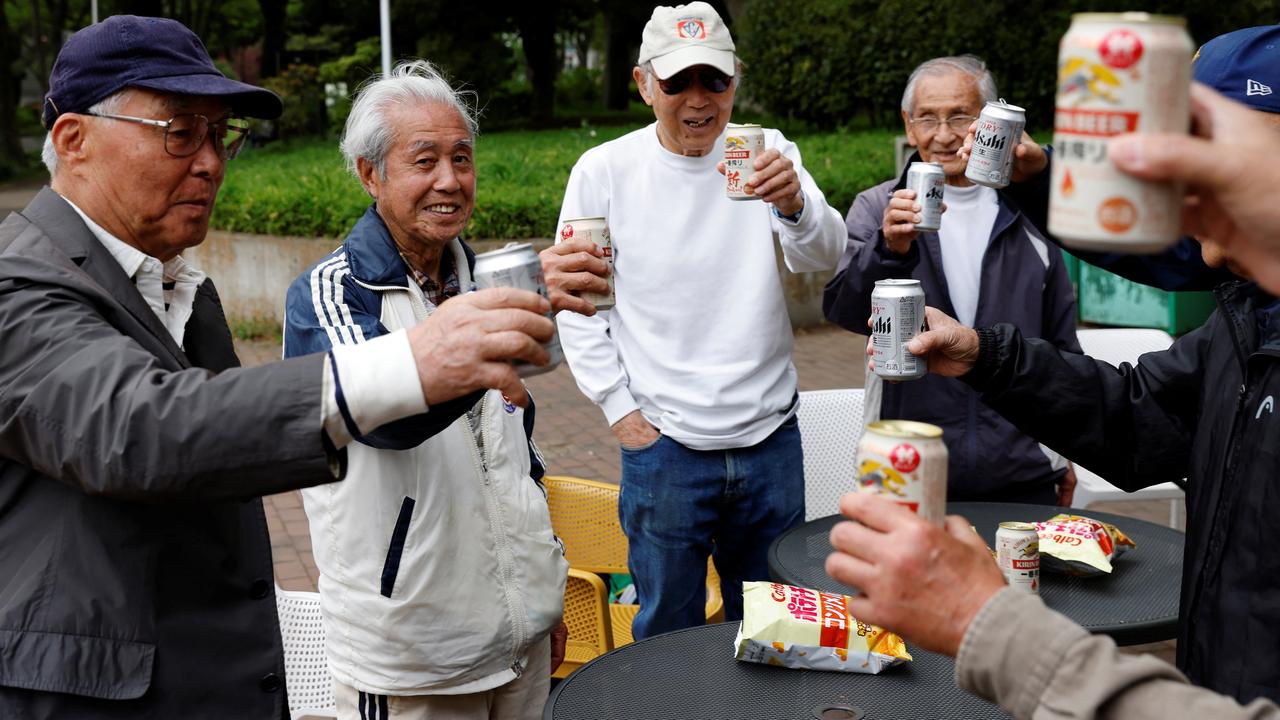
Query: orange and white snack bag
796	627
1080	546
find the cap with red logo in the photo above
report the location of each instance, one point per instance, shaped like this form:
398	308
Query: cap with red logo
680	37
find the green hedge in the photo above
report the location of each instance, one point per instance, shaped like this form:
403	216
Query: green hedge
301	188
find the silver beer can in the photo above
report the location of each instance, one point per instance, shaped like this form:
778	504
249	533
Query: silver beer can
518	266
999	131
596	230
929	181
905	461
1018	555
742	145
897	316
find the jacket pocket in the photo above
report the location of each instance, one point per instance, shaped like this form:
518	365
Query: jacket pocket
391	567
75	664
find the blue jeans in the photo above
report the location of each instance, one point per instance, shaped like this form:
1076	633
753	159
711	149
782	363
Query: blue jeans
679	506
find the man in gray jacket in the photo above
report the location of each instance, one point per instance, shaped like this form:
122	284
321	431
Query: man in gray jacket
135	566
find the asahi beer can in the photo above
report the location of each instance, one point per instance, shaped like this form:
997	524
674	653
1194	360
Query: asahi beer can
897	316
518	266
906	461
1117	73
596	230
742	145
1018	554
999	131
928	180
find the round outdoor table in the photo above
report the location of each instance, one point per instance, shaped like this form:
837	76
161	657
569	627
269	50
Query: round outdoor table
692	674
1137	603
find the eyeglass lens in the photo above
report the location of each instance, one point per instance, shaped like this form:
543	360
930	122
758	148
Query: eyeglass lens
711	79
186	133
958	123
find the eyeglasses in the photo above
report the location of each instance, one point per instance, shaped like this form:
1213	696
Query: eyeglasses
712	80
184	134
958	123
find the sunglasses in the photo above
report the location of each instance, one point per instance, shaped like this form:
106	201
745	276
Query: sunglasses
711	79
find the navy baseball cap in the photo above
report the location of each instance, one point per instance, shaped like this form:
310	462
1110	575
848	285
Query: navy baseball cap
144	52
1243	65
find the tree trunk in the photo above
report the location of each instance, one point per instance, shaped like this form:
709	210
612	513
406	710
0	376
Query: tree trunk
537	25
274	13
11	154
623	23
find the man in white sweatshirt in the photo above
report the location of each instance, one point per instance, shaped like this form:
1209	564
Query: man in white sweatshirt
692	368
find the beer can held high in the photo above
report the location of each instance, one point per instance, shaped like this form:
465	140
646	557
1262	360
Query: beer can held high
906	461
1117	73
742	145
518	266
897	316
596	230
929	181
1018	555
998	135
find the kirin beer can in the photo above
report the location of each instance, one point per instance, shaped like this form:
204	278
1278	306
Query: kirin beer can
929	181
1117	73
999	132
518	266
1018	555
907	462
897	316
742	145
596	230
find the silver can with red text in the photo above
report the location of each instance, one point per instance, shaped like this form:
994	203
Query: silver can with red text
742	145
596	230
518	266
1018	555
897	316
929	181
999	132
905	461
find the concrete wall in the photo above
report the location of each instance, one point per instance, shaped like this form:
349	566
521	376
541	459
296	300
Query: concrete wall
253	272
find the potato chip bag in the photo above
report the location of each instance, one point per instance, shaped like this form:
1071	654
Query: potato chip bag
796	627
1079	546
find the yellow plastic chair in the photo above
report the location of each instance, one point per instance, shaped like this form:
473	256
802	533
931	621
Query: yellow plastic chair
586	613
584	514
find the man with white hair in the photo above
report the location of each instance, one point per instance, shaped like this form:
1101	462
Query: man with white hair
987	264
692	367
441	581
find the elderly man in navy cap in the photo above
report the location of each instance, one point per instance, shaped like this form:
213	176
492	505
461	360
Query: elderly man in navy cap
135	566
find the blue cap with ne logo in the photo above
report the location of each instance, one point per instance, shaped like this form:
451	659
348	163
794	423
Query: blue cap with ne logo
1243	65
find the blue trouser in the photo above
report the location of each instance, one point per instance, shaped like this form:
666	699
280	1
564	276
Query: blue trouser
679	506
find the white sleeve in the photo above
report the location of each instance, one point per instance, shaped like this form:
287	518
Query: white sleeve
369	384
591	352
815	242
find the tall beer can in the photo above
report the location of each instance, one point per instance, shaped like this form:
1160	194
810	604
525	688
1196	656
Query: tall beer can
907	462
897	316
596	230
1117	73
518	266
929	181
999	132
742	145
1018	555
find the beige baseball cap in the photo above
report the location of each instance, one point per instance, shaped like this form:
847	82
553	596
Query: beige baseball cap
679	37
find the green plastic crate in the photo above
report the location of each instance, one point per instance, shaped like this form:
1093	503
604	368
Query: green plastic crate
1108	299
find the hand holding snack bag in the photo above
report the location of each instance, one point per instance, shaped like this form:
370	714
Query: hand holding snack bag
796	627
1080	546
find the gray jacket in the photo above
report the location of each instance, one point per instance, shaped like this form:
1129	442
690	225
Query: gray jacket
135	566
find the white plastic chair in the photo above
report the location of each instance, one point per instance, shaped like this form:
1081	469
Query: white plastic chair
830	427
1115	346
306	667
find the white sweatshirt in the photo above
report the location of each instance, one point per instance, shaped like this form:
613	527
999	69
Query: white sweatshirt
699	341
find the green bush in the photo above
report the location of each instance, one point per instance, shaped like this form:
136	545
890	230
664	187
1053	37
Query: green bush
300	88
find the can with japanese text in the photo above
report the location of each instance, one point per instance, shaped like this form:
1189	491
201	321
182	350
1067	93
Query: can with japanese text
1018	555
742	145
929	181
999	131
906	461
518	266
1117	73
897	316
596	230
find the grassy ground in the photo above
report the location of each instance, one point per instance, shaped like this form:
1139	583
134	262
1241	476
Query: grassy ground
303	189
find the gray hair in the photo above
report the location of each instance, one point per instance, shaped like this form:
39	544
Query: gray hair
111	105
367	134
970	65
650	76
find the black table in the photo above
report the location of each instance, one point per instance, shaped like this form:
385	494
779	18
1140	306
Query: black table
691	673
1137	603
